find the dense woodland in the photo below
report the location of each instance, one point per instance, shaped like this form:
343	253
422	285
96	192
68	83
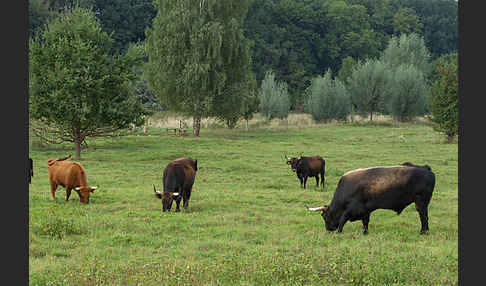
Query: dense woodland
298	39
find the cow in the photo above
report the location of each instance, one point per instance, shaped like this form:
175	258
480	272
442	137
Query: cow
361	191
70	175
306	167
178	178
31	169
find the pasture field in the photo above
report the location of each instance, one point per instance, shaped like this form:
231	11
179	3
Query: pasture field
246	223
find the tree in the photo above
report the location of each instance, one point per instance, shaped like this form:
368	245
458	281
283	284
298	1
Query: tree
408	91
443	98
405	21
327	99
274	97
198	56
407	49
368	87
77	88
347	67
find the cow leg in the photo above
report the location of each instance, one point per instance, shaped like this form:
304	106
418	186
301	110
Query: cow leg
305	181
186	197
68	193
317	181
301	180
322	179
342	221
421	204
53	190
178	202
365	220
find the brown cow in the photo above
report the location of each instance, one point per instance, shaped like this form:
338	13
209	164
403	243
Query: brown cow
178	178
70	175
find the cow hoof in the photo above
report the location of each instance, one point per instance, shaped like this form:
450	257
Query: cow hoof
365	232
424	232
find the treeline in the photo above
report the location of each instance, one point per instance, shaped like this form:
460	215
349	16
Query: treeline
113	62
297	39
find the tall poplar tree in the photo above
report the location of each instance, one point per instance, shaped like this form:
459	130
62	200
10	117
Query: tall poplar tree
199	61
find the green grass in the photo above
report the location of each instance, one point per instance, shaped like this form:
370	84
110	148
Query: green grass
246	223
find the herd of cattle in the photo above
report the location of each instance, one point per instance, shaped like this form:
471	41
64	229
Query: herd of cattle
358	193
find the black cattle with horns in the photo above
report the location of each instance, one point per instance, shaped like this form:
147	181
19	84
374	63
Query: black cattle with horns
178	178
305	167
360	192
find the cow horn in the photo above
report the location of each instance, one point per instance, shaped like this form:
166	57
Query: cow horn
155	190
175	194
77	188
323	208
94	188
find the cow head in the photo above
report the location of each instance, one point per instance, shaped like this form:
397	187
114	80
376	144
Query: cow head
330	222
293	162
167	198
84	193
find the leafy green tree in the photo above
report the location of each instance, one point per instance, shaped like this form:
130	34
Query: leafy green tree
198	57
77	88
347	68
443	98
407	49
408	91
368	87
405	21
274	97
39	14
327	99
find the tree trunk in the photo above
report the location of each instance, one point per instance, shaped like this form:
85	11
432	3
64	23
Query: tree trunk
246	126
371	116
196	126
77	149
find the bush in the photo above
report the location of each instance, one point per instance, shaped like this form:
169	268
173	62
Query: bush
368	87
408	91
407	49
443	99
274	97
327	99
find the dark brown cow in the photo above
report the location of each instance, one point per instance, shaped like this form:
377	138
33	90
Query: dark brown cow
178	178
306	167
361	191
70	175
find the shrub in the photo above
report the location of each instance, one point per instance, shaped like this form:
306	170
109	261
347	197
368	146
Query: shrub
443	99
327	99
408	91
274	97
368	87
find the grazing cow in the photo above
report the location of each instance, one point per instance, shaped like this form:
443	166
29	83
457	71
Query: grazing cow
306	167
31	169
361	191
70	175
178	178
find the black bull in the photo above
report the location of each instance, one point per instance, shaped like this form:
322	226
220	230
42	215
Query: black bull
178	179
361	191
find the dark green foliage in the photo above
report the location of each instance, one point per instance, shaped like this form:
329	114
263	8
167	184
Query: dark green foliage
127	20
77	88
405	21
408	91
443	99
327	99
274	97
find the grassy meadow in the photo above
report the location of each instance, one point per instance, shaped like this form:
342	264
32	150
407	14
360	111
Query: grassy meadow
246	223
